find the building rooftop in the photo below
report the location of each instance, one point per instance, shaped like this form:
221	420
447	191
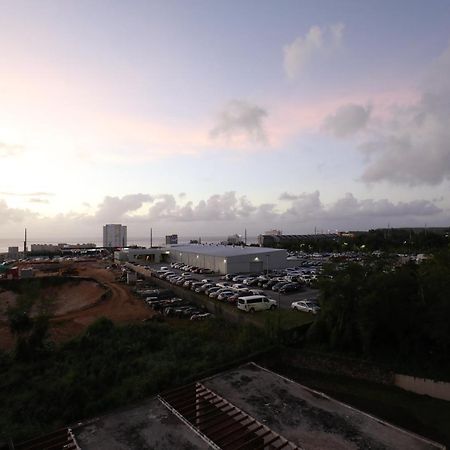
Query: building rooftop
222	250
241	408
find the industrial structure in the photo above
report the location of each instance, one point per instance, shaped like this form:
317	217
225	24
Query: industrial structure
229	258
172	239
13	253
144	256
114	235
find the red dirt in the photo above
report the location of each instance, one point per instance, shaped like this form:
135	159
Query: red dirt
121	306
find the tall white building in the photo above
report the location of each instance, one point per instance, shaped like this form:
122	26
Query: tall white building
114	235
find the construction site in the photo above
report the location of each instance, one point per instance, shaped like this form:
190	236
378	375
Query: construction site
73	293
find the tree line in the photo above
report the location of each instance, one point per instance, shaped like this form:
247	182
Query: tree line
399	315
386	240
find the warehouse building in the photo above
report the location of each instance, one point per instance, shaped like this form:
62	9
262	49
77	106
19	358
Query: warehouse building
229	258
146	256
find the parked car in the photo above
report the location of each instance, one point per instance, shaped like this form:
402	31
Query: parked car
255	303
269	284
204	287
229	276
212	290
256	292
239	278
290	287
214	294
306	306
276	287
196	284
224	295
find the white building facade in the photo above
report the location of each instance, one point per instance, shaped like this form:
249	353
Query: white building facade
114	235
229	259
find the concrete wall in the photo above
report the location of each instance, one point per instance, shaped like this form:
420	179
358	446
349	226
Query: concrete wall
423	386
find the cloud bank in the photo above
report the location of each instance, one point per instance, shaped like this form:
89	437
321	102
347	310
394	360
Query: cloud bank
409	146
221	213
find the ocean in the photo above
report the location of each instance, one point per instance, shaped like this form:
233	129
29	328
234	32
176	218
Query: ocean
143	242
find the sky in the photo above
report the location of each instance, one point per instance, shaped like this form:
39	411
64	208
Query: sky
208	117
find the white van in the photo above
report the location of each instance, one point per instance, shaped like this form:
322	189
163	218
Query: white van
252	303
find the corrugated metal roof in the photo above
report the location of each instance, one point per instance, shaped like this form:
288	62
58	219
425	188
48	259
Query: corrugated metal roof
223	250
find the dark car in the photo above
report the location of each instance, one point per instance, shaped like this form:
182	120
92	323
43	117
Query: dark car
269	284
290	287
276	287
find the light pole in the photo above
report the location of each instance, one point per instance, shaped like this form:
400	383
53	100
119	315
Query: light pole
267	265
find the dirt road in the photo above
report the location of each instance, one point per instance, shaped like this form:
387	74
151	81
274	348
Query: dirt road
120	306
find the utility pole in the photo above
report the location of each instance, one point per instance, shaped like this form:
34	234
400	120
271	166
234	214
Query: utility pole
25	244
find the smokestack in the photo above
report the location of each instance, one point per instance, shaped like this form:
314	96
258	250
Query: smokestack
151	237
245	237
25	244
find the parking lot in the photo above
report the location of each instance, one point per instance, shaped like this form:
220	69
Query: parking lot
216	283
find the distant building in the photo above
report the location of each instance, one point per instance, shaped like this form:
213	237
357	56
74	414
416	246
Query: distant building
114	235
235	239
13	252
143	256
77	246
229	259
274	232
39	249
284	240
172	239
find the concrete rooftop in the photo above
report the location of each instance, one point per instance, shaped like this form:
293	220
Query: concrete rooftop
307	418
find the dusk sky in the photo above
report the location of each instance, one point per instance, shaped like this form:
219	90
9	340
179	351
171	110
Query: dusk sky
205	117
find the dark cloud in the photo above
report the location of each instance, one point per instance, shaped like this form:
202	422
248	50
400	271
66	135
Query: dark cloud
240	119
348	120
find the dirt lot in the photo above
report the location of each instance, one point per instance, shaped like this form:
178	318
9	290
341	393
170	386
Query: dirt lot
77	305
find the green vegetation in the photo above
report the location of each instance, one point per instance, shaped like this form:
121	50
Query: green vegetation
109	366
397	316
389	240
